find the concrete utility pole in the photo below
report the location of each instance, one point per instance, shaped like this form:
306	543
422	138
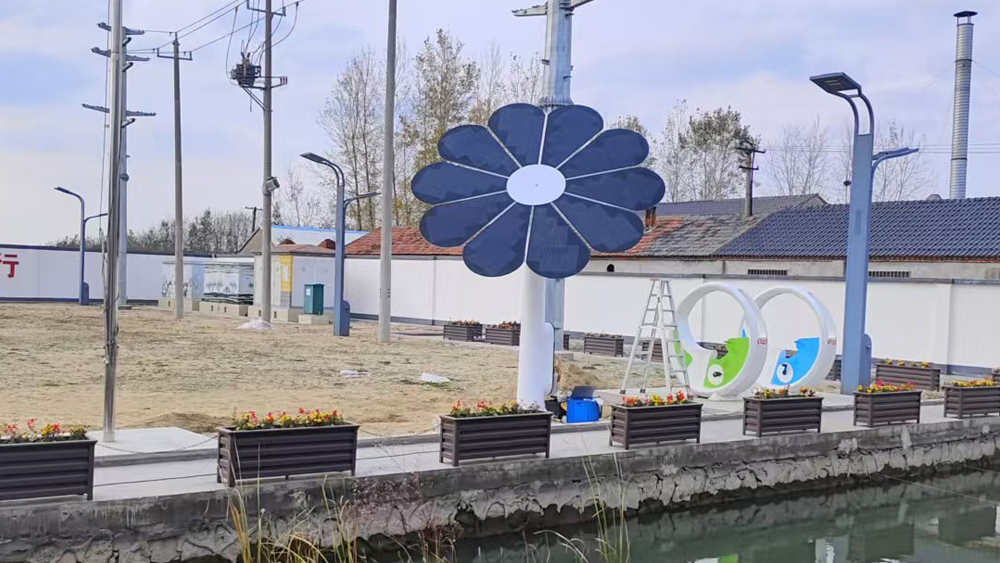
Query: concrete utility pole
115	113
556	79
178	181
265	239
388	173
749	152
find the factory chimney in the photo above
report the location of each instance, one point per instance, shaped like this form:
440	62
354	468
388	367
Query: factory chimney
960	125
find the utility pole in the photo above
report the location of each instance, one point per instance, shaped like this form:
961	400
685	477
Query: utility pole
116	114
130	116
247	75
388	173
749	152
178	181
556	79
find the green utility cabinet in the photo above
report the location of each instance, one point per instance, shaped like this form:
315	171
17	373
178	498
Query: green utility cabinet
313	302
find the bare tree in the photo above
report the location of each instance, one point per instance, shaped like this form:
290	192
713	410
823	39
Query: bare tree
352	119
898	179
524	80
491	89
797	164
670	159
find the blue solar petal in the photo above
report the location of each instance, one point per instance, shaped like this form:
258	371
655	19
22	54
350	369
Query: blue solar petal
442	182
499	249
519	128
607	229
473	145
633	188
451	224
611	150
568	129
555	251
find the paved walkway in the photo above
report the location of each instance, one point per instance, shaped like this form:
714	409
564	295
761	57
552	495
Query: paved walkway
197	475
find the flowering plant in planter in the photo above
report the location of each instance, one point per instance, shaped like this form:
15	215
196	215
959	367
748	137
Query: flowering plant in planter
485	408
880	387
466	322
304	419
783	393
678	398
11	433
975	383
507	325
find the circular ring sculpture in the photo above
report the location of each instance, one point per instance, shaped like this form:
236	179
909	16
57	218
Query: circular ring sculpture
731	374
812	358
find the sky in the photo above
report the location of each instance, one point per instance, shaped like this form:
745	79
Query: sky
630	57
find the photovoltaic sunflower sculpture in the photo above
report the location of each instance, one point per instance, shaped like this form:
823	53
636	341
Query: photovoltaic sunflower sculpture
537	188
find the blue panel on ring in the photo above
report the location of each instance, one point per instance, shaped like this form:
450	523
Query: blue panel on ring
569	128
473	145
442	182
606	229
554	251
499	249
635	188
452	224
519	128
611	150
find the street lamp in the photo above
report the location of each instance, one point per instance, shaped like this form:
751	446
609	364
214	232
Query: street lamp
341	322
84	290
856	362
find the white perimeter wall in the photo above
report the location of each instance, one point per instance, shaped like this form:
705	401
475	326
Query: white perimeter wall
944	322
49	274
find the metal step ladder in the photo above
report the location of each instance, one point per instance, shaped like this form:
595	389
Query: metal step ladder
658	323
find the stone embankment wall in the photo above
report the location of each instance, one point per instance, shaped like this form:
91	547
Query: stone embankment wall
489	499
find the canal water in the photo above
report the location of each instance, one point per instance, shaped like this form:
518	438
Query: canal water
950	519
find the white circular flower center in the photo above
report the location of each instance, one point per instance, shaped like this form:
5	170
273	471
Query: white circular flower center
536	184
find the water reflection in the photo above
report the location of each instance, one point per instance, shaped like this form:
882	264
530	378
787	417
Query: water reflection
943	520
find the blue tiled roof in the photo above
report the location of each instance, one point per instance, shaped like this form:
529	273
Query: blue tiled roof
957	228
761	205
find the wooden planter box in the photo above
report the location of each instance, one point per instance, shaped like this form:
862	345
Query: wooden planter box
503	336
604	345
964	402
874	409
463	333
283	452
47	469
465	438
632	426
774	416
928	379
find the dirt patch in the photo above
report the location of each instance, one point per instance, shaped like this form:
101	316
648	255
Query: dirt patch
195	373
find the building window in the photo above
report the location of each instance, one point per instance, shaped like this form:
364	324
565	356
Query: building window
765	272
611	268
888	274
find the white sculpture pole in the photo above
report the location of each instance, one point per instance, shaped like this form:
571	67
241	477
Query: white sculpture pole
534	367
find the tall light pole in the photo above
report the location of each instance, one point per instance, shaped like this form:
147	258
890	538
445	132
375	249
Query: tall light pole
84	293
116	114
856	359
388	178
556	82
341	322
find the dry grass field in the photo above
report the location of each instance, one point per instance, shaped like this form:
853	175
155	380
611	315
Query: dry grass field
195	373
